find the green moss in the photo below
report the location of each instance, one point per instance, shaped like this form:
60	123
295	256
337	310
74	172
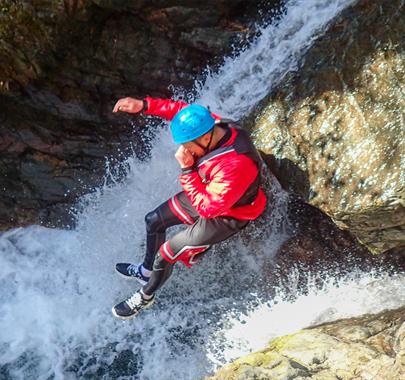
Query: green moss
262	358
278	344
244	367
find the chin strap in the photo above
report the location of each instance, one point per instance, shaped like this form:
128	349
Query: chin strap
206	148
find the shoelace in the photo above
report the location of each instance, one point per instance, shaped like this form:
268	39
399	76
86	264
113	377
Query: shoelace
133	269
135	301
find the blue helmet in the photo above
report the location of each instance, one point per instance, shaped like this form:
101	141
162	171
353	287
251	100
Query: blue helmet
190	123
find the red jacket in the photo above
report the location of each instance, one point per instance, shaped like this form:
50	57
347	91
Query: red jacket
220	180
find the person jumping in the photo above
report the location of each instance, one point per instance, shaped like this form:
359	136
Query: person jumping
220	177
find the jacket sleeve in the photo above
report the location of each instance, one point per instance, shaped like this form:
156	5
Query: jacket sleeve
166	108
229	181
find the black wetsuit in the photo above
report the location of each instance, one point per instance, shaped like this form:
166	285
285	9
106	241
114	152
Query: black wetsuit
190	243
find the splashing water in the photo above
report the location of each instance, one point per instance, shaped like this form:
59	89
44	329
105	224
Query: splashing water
356	294
57	287
243	81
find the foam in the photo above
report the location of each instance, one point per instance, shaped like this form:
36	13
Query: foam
57	287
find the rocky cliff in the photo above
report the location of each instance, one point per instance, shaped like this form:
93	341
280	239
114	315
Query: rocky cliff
334	130
63	66
333	133
369	347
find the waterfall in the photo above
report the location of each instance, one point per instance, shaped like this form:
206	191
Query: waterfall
57	287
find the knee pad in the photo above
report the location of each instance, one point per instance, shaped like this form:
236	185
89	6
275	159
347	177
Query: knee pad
154	222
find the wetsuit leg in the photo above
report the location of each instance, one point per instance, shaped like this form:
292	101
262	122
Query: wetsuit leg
176	210
157	221
188	245
162	270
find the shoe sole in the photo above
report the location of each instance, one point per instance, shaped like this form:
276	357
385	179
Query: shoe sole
142	282
133	315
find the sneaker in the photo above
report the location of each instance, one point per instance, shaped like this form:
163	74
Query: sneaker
131	271
132	306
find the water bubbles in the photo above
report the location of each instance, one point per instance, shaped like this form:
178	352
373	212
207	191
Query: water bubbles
57	287
358	293
255	71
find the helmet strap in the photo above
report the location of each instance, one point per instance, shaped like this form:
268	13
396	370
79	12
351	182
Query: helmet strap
206	148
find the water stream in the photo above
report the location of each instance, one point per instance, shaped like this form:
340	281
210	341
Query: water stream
57	286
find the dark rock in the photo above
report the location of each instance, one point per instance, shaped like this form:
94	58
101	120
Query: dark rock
209	39
64	64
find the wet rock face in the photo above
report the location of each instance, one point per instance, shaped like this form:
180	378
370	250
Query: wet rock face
107	43
63	66
47	161
369	347
313	246
334	131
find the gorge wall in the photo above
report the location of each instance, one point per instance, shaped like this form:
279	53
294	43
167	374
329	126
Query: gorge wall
333	133
334	129
369	347
65	64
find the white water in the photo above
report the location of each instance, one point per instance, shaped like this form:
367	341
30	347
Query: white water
245	80
57	287
356	295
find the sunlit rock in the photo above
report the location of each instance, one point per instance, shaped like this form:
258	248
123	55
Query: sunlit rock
334	132
369	347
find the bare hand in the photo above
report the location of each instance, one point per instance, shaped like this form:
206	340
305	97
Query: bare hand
129	105
184	157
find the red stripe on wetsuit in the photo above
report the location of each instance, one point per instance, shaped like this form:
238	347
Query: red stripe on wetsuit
187	255
177	210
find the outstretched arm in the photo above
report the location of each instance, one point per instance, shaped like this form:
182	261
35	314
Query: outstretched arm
164	108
